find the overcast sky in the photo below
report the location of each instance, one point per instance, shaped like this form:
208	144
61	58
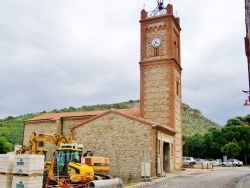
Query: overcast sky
56	54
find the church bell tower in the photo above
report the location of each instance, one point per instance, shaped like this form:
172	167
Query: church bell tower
160	71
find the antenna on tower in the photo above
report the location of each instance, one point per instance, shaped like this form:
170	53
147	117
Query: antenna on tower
160	9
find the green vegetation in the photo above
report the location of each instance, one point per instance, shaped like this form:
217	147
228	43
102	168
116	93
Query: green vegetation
12	128
232	140
203	138
129	104
231	149
194	122
5	146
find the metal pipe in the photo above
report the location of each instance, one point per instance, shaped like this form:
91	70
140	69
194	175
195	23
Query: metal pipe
247	45
157	148
103	183
248	66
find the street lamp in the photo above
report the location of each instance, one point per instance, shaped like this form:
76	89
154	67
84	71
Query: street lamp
247	102
247	50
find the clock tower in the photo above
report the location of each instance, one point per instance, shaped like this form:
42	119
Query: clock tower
160	72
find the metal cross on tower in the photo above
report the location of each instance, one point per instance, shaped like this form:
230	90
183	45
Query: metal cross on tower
160	9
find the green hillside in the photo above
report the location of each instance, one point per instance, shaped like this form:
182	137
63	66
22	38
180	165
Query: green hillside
193	121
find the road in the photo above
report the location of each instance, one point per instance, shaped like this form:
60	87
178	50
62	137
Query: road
244	183
219	177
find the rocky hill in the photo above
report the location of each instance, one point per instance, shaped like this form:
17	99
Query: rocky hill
194	122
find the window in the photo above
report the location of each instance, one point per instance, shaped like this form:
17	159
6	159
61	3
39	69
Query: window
156	51
176	50
40	144
177	87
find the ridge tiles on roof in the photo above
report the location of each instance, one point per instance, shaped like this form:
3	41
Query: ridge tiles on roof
57	116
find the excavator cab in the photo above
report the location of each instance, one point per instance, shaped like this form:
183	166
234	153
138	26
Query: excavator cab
68	153
67	165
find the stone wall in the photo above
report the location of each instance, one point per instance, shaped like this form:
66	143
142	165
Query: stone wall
178	120
48	127
154	103
126	142
69	123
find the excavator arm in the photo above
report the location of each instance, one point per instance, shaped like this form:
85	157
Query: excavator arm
37	137
64	139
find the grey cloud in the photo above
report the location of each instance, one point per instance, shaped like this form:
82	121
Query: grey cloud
56	54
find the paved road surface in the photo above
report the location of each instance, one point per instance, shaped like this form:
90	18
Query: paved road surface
244	183
219	177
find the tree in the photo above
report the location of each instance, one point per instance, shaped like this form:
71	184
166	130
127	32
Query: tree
209	149
194	146
234	121
231	149
247	119
5	146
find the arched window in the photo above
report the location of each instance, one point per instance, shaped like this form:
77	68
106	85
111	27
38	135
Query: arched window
177	88
156	51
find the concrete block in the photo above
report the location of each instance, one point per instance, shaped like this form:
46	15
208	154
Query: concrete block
28	164
6	163
27	182
6	180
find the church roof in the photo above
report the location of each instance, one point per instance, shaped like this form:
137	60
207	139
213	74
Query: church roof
133	113
56	116
123	113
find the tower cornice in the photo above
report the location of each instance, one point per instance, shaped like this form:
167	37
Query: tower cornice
163	61
154	19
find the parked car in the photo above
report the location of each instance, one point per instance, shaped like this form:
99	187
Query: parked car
198	160
201	161
188	160
232	162
218	162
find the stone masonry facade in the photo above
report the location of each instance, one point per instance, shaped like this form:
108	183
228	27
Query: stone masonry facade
60	126
126	141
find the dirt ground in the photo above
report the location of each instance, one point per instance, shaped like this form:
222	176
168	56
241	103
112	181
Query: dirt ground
219	177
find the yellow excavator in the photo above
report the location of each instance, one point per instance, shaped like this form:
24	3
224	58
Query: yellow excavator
66	169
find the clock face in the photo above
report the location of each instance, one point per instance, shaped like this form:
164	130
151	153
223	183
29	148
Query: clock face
156	42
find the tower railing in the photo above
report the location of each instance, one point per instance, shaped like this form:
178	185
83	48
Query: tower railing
156	13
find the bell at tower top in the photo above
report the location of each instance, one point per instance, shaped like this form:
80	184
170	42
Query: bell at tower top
158	11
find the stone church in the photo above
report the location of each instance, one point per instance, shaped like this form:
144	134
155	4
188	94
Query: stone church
133	138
